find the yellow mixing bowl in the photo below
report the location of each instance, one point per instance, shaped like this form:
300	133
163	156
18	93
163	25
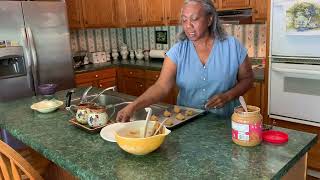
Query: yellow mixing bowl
130	137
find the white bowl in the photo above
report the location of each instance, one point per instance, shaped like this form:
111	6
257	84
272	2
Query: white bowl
46	106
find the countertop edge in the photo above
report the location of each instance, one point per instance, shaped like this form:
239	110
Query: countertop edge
283	171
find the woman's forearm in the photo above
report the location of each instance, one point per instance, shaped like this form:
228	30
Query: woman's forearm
241	88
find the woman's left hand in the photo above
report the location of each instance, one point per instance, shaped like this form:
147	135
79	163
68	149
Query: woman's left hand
217	101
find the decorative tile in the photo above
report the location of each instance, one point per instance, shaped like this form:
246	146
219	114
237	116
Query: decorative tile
238	33
90	39
139	38
172	35
82	40
152	38
113	36
98	37
253	37
73	41
262	41
158	46
106	40
120	36
134	38
146	38
249	39
128	37
165	46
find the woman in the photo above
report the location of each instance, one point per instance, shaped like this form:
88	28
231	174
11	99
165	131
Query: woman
210	69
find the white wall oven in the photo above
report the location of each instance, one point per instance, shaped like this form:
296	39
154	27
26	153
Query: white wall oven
294	82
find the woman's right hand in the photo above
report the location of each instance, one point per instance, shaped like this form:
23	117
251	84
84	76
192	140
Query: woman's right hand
125	114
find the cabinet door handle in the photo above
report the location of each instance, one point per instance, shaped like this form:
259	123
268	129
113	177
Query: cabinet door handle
157	76
141	85
97	75
130	72
100	85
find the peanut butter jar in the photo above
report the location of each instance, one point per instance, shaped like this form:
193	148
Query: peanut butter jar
247	126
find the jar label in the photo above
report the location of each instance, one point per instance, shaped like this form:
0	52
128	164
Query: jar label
243	131
240	131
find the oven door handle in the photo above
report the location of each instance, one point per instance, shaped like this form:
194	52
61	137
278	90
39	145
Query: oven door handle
296	71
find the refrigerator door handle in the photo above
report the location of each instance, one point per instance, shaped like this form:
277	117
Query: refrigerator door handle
27	58
34	59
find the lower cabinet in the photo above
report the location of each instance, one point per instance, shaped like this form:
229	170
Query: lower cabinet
136	81
253	96
100	78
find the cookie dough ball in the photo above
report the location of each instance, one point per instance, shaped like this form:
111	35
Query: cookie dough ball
180	117
166	113
154	118
176	109
189	112
169	122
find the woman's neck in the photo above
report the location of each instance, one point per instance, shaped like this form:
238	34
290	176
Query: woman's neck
205	42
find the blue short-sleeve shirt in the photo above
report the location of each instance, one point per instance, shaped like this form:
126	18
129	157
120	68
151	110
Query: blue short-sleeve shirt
198	82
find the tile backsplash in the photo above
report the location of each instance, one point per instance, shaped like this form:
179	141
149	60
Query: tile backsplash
252	36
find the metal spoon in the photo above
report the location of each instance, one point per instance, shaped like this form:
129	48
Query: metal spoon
243	103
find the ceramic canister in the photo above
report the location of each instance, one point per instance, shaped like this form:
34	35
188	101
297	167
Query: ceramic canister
97	116
82	113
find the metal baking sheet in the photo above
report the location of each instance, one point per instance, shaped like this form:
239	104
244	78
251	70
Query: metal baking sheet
159	113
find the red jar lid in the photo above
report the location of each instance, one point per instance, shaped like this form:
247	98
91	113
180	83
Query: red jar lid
276	137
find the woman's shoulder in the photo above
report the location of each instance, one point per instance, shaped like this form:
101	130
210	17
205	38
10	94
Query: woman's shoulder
230	40
180	46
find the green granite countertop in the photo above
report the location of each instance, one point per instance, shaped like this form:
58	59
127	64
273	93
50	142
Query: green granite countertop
151	65
200	149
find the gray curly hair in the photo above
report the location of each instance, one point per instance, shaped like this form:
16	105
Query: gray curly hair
215	27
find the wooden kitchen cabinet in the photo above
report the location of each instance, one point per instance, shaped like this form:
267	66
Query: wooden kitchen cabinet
101	78
98	13
130	12
74	11
253	96
260	10
154	13
234	4
216	3
173	10
151	78
131	81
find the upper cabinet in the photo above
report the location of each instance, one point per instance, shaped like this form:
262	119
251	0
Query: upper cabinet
154	12
234	4
173	10
98	13
74	10
130	12
144	13
260	11
216	3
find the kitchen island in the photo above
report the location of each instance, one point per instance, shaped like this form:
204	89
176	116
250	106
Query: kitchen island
201	149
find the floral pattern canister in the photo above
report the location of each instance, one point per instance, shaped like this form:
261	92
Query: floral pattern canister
97	117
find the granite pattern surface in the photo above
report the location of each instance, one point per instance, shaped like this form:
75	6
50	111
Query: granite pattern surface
151	65
200	149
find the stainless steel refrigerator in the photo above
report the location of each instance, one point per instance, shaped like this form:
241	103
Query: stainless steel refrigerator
34	49
37	49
